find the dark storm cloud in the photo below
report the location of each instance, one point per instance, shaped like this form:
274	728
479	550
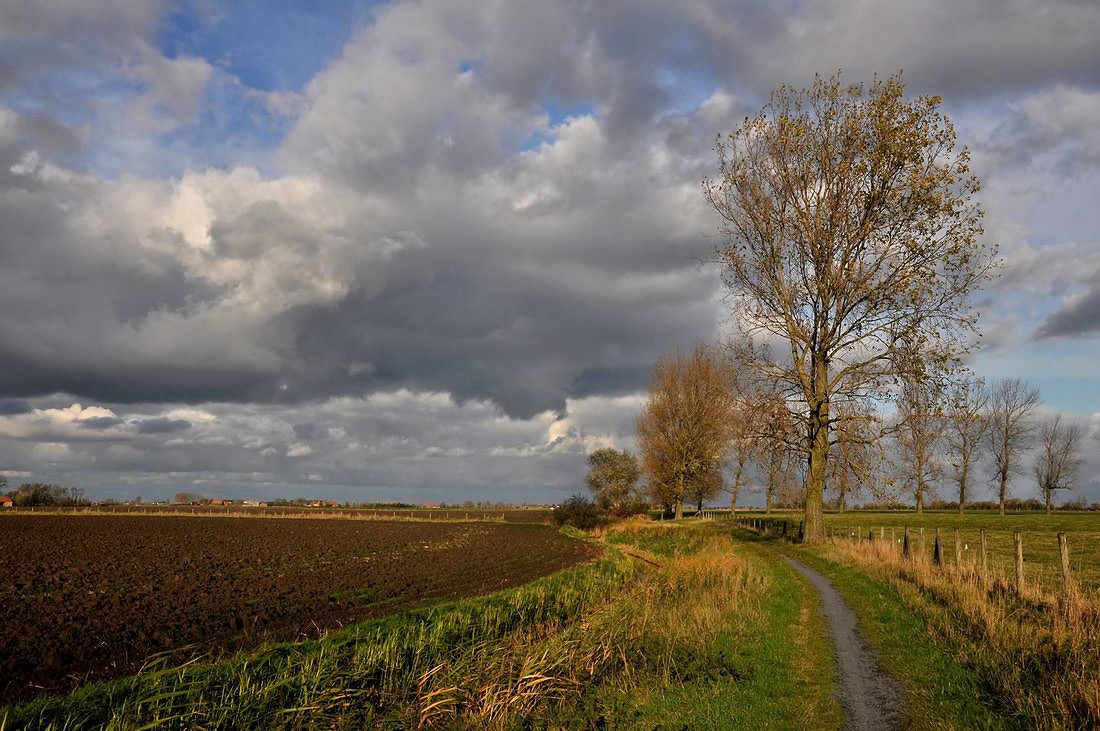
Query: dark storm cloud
308	431
522	341
533	277
161	425
974	49
99	423
1082	317
14	407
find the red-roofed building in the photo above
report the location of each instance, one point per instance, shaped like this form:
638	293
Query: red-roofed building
5	501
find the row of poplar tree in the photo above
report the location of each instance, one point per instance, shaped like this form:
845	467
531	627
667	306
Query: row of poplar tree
712	426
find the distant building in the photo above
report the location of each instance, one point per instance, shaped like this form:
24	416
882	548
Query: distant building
5	501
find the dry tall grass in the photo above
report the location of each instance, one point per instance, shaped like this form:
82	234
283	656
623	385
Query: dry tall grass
659	627
1038	649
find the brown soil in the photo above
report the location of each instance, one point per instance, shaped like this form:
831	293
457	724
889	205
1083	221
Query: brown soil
93	597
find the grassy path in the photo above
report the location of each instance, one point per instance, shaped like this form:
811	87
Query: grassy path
871	698
940	692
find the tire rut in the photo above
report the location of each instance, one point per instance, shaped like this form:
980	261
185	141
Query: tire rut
871	698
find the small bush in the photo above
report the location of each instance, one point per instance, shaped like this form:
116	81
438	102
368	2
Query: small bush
579	512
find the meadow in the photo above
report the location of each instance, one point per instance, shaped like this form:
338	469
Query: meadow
1038	531
674	624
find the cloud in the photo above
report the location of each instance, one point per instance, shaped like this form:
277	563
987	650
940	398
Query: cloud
478	279
14	407
444	254
368	447
1080	316
161	425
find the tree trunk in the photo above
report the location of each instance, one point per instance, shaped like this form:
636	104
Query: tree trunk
679	496
1004	484
736	486
963	476
815	473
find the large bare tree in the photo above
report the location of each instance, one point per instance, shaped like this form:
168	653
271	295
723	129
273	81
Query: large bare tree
966	422
1011	403
851	235
1058	458
683	432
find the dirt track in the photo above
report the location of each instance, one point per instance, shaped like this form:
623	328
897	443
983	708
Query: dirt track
871	699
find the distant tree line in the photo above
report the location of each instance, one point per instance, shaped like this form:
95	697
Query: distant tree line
40	494
711	426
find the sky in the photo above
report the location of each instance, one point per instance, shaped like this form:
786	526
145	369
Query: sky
429	251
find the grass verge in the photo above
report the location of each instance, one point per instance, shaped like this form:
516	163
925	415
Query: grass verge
724	637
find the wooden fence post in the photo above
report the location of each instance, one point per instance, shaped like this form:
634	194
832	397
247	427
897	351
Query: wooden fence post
1018	538
1063	553
937	549
985	558
905	548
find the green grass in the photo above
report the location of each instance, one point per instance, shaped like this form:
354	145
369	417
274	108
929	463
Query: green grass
766	664
974	651
1042	564
1037	652
1039	531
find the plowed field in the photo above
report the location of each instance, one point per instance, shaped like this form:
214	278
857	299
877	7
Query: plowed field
91	597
